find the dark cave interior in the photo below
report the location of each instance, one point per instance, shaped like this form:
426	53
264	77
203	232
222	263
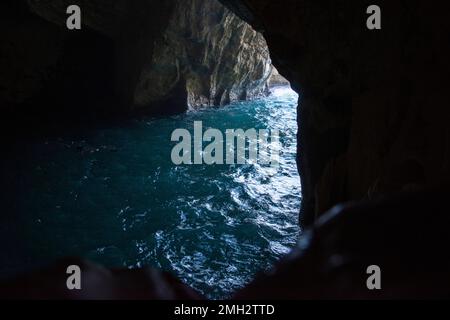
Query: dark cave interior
373	140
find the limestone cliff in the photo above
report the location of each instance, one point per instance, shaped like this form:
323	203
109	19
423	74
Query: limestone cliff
277	80
142	55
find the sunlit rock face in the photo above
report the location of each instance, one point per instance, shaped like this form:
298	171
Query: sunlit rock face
142	55
373	115
216	55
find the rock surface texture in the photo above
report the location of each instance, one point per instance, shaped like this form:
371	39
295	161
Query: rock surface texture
277	80
216	55
148	56
373	113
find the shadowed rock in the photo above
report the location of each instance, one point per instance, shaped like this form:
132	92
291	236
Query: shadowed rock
371	102
142	56
406	235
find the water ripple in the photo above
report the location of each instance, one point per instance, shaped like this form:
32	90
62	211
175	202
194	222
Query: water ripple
113	195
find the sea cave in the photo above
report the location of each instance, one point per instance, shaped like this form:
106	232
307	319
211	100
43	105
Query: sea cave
355	121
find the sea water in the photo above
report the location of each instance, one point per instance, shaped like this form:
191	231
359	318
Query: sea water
112	195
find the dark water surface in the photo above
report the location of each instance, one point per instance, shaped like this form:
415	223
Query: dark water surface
112	195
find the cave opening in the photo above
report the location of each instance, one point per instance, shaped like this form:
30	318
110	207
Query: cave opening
111	194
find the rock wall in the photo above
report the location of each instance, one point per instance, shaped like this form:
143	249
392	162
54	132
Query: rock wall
373	112
277	80
332	258
140	56
219	57
49	72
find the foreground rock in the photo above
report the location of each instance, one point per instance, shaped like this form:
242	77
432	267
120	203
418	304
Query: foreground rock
405	235
216	56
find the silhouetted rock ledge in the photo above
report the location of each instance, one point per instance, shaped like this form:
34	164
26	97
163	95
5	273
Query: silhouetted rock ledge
277	80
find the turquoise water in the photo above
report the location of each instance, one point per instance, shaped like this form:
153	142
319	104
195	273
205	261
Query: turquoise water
112	195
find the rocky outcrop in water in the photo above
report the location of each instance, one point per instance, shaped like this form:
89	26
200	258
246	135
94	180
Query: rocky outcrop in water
373	115
373	120
333	257
130	55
